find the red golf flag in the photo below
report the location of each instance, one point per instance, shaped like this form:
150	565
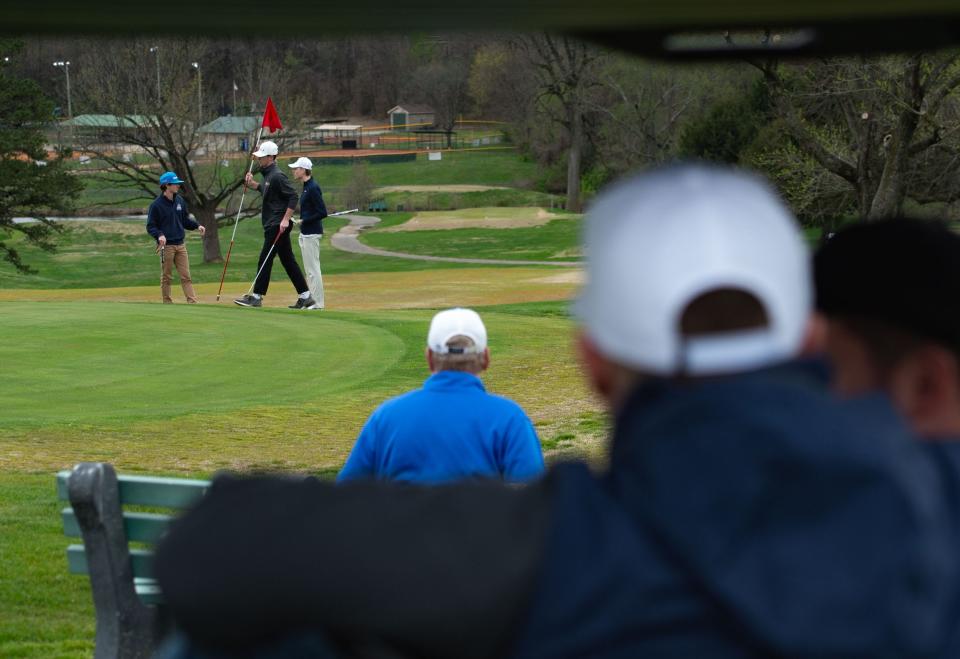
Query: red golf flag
271	119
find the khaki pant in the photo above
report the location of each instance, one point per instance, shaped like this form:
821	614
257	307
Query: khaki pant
310	250
176	255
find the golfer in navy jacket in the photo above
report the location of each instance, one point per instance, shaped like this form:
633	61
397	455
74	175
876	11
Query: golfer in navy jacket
167	220
312	212
451	429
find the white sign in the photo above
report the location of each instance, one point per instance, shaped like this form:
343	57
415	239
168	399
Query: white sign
434	155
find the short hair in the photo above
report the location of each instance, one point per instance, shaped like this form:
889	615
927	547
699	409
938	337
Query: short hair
722	310
471	362
886	345
163	187
894	283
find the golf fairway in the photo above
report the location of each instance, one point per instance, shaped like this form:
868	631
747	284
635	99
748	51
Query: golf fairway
101	361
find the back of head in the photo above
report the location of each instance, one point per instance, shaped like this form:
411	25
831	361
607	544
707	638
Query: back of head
893	278
694	270
457	340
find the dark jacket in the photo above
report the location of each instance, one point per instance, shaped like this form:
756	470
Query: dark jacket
169	218
747	516
278	196
312	208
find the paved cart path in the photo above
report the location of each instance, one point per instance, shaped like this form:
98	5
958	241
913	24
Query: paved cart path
347	240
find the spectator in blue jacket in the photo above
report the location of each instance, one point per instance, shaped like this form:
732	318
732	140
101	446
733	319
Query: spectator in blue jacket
312	212
451	429
746	511
167	220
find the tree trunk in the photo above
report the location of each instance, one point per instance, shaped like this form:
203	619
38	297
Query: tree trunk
574	157
888	200
211	241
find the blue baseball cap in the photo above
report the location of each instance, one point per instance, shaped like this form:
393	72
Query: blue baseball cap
169	178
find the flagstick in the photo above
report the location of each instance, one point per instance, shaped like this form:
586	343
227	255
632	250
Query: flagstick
237	221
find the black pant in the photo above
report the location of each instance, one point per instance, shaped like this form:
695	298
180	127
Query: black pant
289	261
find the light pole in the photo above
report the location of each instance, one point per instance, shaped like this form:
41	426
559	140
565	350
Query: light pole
156	51
66	69
196	65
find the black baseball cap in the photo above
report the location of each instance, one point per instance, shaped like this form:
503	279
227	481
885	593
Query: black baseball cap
904	272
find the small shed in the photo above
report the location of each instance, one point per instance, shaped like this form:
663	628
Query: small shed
411	116
348	136
230	133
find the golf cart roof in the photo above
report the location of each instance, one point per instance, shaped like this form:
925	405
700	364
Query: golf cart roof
642	26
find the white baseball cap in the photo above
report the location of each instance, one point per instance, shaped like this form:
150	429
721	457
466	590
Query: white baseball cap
267	148
456	322
302	162
658	240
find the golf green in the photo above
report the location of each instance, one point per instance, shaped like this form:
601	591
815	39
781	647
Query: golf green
121	362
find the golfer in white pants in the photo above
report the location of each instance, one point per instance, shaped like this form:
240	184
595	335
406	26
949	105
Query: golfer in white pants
312	212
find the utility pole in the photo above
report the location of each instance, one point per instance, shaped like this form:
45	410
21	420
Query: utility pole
66	68
196	65
156	50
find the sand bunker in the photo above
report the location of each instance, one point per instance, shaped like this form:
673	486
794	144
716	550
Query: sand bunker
476	218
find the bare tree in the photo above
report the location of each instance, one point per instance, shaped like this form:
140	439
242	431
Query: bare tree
149	135
567	72
885	126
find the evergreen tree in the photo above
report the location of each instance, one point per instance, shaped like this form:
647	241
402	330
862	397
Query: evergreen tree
31	183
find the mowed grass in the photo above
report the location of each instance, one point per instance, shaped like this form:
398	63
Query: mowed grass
557	240
92	371
193	390
502	167
119	253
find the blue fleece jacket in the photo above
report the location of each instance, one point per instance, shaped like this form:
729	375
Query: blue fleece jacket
451	429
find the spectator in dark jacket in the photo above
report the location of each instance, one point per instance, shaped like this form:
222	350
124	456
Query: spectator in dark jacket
889	292
746	512
167	220
279	202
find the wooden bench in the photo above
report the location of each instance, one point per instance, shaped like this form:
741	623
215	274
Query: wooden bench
125	593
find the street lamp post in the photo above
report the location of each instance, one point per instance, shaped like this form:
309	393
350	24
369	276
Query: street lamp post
196	65
66	68
156	50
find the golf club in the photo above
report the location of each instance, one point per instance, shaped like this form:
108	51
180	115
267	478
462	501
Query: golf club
352	210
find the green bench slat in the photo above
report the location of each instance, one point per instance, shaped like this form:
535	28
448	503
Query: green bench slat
139	527
148	590
149	491
140	559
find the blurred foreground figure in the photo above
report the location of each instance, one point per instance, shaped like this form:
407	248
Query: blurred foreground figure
891	294
746	512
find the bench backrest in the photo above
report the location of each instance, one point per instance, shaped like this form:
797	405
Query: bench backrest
121	577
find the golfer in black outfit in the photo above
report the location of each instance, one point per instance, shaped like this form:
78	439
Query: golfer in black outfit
279	202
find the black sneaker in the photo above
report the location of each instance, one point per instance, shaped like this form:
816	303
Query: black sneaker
249	301
309	303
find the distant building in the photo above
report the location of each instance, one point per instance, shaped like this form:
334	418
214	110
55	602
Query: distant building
348	136
108	128
230	133
411	116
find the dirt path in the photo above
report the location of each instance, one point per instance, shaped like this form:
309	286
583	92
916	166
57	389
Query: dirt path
347	240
